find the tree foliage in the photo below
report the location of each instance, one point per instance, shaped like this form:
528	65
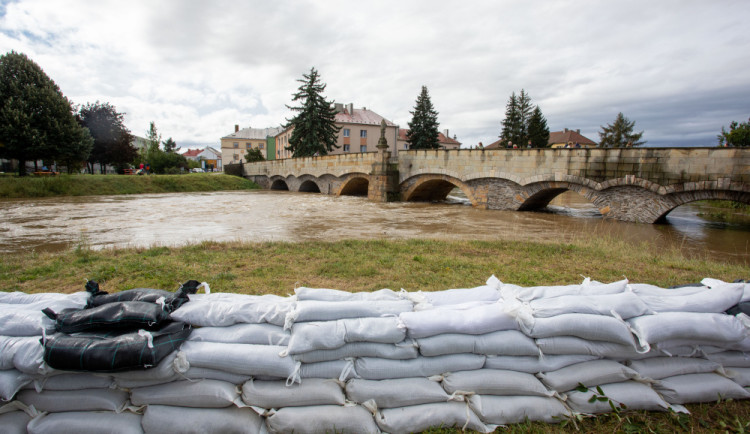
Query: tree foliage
423	127
314	125
538	131
36	120
112	140
620	134
738	134
254	154
522	121
169	145
159	160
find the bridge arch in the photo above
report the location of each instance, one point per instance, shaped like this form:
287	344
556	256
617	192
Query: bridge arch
433	187
309	186
279	184
678	199
538	195
356	184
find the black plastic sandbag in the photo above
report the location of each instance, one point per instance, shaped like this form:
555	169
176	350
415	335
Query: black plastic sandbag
172	300
100	353
743	307
121	315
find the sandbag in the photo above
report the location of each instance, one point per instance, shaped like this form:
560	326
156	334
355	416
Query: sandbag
734	359
429	299
73	382
321	418
323	294
646	289
572	345
417	418
669	326
171	300
371	368
314	310
341	369
327	335
742	307
585	326
505	342
469	319
635	396
740	376
209	312
214	374
406	350
586	288
11	381
86	422
399	392
163	372
259	334
125	315
625	304
692	388
503	410
714	300
20	298
56	401
14	422
591	373
662	367
194	394
256	360
494	382
164	419
534	364
23	353
276	394
17	321
139	350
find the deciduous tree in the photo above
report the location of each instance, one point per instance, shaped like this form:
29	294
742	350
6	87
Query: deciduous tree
423	127
112	139
314	125
738	134
620	134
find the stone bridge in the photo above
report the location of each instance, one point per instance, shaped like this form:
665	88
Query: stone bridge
629	184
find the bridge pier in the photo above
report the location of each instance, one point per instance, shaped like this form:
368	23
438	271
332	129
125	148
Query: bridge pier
383	179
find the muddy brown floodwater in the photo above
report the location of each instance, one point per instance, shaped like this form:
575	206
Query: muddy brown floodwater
54	224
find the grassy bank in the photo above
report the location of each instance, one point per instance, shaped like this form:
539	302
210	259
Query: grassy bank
89	185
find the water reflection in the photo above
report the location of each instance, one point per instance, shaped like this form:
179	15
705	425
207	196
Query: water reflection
177	219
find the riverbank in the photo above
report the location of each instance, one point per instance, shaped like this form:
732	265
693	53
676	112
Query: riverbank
91	185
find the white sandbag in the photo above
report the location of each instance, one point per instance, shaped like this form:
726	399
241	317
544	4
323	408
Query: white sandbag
164	372
494	382
406	350
14	422
626	304
733	359
314	310
214	374
205	313
276	394
669	326
259	334
646	289
383	330
740	376
341	369
371	368
486	293
237	298
693	388
592	373
256	360
76	381
24	353
417	418
316	335
163	419
635	396
15	321
662	367
399	392
573	345
713	283
86	422
321	418
323	294
472	319
505	342
715	300
11	381
56	401
22	298
203	393
534	364
585	326
503	410
588	287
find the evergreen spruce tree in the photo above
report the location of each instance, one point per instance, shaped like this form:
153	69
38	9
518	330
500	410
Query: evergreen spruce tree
315	130
36	120
423	127
524	114
620	134
518	113
537	130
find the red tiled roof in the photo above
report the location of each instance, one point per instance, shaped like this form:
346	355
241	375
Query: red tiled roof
441	138
495	145
569	136
361	116
192	152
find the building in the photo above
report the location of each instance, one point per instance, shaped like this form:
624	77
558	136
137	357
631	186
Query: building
235	146
558	139
360	132
209	157
444	141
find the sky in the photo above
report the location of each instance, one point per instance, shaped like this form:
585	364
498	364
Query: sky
679	68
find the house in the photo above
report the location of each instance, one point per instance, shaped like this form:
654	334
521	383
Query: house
235	145
444	140
558	139
360	132
209	157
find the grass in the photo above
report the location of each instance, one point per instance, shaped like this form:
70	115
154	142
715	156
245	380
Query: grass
90	185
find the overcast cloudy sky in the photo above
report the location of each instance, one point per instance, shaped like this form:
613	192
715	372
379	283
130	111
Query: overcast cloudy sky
679	68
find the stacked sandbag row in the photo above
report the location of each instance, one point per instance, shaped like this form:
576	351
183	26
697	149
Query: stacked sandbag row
326	360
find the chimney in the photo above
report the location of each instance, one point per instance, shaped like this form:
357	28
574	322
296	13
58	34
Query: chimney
578	131
566	130
338	107
350	108
445	133
236	128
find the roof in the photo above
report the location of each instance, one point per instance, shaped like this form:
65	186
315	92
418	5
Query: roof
495	145
361	116
254	133
192	152
569	136
442	139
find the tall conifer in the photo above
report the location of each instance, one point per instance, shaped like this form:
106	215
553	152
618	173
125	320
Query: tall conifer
315	130
423	128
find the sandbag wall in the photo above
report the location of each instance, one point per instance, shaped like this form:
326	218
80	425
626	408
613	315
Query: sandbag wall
325	360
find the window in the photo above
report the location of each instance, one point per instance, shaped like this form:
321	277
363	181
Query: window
362	148
249	145
363	134
406	146
346	132
236	144
346	148
260	146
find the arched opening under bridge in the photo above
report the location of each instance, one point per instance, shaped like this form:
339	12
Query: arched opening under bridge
355	187
309	187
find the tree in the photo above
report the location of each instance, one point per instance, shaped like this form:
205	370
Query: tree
169	145
538	132
423	127
112	140
620	134
518	112
315	130
159	160
738	134
36	120
254	154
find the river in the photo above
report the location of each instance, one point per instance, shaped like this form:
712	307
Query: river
54	224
